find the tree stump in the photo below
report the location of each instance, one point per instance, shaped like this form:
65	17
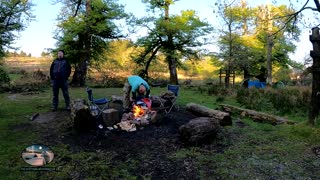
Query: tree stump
117	99
223	118
199	131
81	116
110	117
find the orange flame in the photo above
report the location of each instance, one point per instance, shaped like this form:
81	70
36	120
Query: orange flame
137	111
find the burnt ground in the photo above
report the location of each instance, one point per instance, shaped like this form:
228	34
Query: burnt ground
149	147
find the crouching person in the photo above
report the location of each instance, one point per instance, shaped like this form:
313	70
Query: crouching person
139	89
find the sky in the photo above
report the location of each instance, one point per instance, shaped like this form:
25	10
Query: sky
39	34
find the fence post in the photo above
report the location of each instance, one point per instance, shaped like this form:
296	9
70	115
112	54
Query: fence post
315	54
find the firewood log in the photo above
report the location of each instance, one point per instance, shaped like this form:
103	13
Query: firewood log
256	116
199	110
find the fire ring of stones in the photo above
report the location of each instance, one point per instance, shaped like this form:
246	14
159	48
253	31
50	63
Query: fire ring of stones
199	130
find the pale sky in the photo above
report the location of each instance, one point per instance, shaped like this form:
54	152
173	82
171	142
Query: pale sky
39	34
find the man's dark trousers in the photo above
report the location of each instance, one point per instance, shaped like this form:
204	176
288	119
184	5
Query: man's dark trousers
63	84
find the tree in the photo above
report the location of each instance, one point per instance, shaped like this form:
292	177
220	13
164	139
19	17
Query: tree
116	59
174	36
275	28
250	32
14	17
84	30
235	18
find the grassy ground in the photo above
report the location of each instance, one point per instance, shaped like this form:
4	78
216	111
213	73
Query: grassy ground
247	150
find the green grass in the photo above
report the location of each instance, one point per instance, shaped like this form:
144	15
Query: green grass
261	151
14	77
256	151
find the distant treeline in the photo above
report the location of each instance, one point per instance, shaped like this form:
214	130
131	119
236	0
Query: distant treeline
24	54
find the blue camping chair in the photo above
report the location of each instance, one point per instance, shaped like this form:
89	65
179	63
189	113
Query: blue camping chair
175	90
96	105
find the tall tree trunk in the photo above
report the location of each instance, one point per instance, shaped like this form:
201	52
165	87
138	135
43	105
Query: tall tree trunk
87	44
315	97
171	58
80	74
246	74
269	46
173	70
228	69
227	78
245	19
269	59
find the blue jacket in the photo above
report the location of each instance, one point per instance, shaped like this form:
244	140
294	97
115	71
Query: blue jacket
135	81
60	69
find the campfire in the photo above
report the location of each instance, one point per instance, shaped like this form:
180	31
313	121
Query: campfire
140	115
138	111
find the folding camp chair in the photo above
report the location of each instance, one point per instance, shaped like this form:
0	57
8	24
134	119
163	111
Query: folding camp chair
96	105
175	90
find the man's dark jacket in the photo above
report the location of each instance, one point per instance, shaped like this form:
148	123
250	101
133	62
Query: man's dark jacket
60	69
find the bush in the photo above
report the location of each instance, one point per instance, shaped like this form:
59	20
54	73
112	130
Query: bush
34	81
286	100
108	81
4	76
290	99
253	98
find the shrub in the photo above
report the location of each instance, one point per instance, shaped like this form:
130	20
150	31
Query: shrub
253	98
108	81
4	76
34	81
220	99
284	100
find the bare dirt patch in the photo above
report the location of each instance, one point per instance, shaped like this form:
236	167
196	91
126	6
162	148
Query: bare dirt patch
150	146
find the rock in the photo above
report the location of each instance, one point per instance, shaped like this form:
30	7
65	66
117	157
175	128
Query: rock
200	130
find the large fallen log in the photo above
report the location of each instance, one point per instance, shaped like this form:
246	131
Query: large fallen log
255	115
223	118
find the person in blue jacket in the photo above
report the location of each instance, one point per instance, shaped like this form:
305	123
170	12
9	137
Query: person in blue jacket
139	89
60	71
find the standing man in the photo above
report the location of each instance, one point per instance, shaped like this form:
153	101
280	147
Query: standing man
60	71
138	87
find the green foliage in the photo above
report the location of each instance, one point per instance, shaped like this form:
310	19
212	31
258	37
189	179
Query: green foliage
288	100
4	76
175	37
96	24
33	81
283	101
283	74
244	36
15	16
253	98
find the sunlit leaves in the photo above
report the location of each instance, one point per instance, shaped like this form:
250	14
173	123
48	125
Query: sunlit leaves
14	17
97	27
